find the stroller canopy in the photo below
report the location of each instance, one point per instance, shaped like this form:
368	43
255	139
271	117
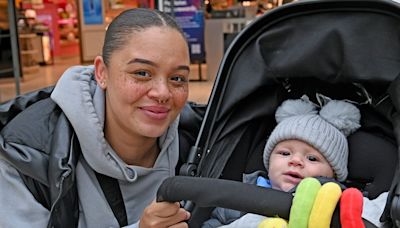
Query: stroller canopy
343	49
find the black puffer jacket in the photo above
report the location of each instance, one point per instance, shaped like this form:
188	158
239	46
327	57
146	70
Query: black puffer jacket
45	151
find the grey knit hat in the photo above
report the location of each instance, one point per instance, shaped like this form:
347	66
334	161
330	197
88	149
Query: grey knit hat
326	131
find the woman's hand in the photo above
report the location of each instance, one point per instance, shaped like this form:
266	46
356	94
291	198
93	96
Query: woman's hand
164	214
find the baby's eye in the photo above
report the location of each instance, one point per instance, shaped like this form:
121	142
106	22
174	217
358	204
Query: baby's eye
312	158
284	153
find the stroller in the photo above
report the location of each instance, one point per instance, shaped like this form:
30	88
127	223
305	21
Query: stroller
343	49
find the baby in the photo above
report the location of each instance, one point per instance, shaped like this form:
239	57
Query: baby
305	143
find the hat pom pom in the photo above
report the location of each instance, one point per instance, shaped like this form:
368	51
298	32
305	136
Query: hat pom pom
296	107
343	115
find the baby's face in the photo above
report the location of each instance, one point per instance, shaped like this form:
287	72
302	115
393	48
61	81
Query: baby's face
293	160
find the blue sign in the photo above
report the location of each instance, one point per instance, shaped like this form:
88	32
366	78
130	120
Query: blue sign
92	12
192	24
190	17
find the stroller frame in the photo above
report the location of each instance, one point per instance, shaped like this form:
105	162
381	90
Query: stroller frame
305	47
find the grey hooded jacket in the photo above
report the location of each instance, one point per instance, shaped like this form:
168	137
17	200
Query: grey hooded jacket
42	170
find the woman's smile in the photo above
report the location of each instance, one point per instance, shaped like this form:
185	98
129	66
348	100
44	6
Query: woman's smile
155	112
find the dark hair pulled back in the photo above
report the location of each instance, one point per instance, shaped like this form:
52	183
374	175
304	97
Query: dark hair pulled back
130	21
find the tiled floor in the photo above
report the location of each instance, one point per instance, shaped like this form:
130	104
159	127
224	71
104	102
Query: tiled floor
199	91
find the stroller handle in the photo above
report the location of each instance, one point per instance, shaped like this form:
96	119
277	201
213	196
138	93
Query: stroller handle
211	192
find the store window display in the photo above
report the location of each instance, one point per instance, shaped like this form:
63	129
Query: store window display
55	22
68	23
29	41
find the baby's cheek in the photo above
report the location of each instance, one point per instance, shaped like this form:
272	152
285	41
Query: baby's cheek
325	171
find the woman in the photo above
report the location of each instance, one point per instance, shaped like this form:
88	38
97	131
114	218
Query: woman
111	125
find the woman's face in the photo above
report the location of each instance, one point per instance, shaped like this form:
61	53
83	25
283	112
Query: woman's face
293	160
146	82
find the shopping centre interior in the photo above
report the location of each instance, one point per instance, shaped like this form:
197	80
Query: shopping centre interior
53	35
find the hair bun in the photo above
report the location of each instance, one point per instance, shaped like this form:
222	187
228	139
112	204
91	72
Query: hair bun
296	107
343	115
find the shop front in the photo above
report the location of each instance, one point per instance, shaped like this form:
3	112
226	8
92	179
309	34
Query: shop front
50	29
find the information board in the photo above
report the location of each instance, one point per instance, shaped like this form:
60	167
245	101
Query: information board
190	17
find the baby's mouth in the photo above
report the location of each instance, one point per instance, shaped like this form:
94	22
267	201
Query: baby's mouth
294	175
